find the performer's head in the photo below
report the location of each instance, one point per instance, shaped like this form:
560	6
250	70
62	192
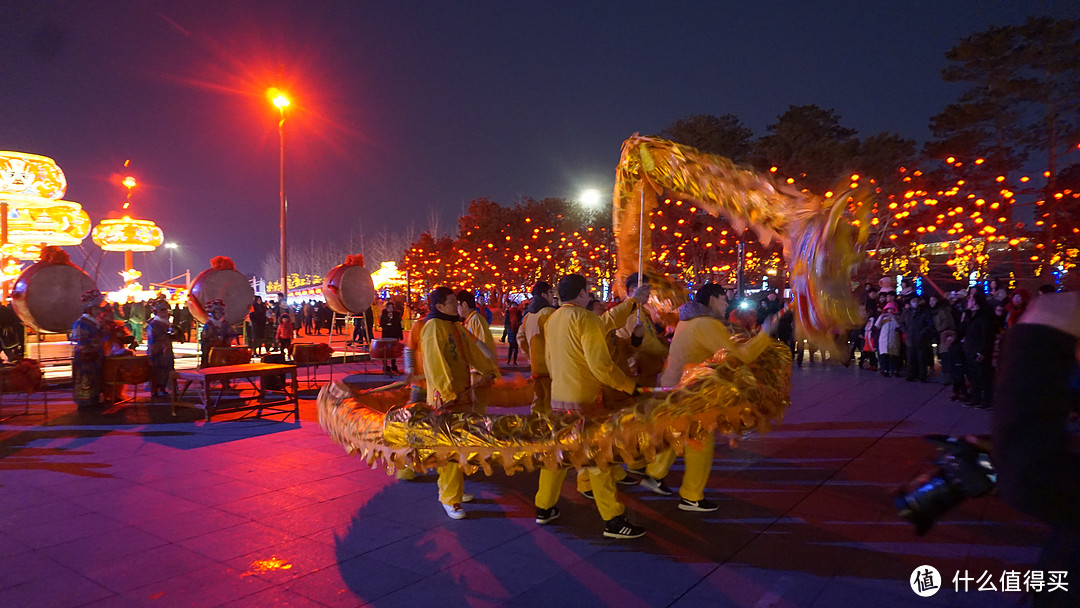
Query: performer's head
596	307
92	300
543	289
216	308
633	280
712	295
466	303
574	288
443	300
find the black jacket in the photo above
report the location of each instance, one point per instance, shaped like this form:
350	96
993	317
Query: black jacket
1038	467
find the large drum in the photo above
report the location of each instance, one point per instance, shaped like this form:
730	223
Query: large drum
227	285
48	295
348	289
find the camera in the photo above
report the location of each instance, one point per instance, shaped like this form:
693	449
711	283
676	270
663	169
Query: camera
964	471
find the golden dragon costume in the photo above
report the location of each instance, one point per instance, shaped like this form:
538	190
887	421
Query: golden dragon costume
822	241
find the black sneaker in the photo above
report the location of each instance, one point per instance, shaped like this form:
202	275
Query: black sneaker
588	494
639	472
700	506
619	527
656	486
546	516
627	481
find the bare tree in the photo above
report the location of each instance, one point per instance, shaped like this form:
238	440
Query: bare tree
434	219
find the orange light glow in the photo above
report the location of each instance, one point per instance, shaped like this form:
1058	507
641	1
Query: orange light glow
277	97
127	234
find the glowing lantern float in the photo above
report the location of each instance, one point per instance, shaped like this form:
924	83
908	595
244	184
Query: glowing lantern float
31	186
128	235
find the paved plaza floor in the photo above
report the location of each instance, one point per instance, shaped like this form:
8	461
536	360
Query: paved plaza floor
134	508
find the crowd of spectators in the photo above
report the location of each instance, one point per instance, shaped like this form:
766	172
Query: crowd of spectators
907	333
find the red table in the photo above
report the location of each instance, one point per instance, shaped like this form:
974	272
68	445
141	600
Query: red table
231	399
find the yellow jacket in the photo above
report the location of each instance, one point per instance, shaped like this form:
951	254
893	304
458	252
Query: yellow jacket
646	360
616	316
578	359
448	351
531	339
477	325
699	338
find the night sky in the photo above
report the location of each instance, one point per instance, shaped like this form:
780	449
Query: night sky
401	107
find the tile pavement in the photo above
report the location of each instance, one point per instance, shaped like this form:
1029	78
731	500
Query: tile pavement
134	509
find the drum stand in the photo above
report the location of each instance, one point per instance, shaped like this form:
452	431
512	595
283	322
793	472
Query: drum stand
351	347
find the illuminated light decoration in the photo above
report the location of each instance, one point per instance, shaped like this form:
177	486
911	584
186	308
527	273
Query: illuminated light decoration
11	270
127	234
59	223
388	276
32	186
31	176
30	252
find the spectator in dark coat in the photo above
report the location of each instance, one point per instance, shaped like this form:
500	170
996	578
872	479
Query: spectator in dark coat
512	322
920	335
390	322
1035	451
257	316
978	329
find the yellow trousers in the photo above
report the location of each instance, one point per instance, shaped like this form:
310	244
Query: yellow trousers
698	465
451	484
584	484
542	391
603	487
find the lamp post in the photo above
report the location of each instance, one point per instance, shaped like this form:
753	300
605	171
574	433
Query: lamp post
278	98
171	247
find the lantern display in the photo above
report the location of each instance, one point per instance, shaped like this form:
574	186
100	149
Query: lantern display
31	186
127	234
21	251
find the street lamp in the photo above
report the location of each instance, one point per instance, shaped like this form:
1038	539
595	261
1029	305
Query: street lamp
129	183
171	247
278	98
590	198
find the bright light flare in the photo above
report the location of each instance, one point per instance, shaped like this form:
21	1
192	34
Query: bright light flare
590	198
129	182
277	97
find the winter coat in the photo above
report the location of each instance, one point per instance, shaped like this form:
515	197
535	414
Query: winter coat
888	334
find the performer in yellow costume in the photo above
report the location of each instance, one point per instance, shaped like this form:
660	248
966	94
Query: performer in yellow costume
531	340
580	364
477	325
698	336
474	321
448	352
622	348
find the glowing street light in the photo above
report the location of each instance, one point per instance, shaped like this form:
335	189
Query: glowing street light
171	247
280	101
590	198
129	183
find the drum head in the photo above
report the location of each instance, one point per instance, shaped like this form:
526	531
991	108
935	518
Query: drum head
48	297
230	286
349	289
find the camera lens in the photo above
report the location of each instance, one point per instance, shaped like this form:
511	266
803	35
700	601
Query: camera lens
925	499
